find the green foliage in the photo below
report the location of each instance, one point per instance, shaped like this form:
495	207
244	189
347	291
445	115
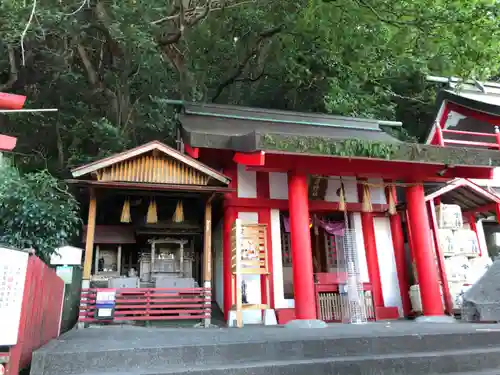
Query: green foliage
35	211
324	146
108	65
380	150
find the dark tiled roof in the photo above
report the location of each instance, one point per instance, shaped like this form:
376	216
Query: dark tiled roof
232	127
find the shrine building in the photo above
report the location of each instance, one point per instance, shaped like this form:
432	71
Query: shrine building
335	198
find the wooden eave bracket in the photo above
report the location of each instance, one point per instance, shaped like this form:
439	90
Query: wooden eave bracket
254	159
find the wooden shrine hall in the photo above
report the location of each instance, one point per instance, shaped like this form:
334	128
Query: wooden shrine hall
148	233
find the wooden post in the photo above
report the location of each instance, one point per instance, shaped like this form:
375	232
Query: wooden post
152	264
96	260
119	261
89	243
207	259
237	273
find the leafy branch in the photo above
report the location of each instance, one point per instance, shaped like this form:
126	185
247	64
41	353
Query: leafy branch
234	77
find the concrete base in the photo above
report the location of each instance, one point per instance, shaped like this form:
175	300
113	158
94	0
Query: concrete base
231	319
436	319
270	318
312	323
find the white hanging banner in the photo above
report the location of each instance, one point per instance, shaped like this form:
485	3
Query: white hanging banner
12	279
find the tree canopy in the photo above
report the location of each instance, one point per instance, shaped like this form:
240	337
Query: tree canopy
109	65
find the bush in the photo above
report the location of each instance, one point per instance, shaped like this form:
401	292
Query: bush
36	211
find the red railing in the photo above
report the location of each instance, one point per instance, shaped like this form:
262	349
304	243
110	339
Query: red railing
151	304
40	314
441	141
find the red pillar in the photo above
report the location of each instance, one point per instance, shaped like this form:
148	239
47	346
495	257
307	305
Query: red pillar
372	258
424	257
400	258
303	278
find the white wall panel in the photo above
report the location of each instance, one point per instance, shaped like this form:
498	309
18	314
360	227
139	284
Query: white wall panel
247	183
350	187
387	264
278	185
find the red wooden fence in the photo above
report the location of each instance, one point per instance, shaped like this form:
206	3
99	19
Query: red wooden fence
150	304
442	141
40	314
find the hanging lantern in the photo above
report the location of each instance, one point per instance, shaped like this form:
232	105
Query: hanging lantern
152	217
342	206
125	218
391	200
179	213
367	202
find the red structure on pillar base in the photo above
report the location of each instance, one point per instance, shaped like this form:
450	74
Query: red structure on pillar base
303	277
423	254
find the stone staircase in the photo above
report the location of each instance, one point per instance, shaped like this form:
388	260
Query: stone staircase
389	349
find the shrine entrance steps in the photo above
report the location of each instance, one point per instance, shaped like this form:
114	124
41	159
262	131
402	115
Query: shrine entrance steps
374	348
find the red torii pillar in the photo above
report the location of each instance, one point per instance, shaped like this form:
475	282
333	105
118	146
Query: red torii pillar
428	277
302	264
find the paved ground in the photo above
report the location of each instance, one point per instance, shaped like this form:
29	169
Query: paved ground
128	337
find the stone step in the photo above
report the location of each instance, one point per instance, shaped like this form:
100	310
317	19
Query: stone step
145	350
476	362
417	363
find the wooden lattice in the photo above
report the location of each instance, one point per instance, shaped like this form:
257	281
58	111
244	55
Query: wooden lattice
153	169
333	306
331	251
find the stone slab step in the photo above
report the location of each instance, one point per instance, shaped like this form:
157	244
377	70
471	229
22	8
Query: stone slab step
456	362
203	355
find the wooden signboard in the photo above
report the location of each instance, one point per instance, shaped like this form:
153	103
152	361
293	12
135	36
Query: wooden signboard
248	257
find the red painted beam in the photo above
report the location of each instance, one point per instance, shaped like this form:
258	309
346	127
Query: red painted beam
282	204
463	132
254	159
339	166
492	207
7	143
194	152
11	101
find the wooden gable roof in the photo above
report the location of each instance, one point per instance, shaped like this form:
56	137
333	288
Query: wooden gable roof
153	162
